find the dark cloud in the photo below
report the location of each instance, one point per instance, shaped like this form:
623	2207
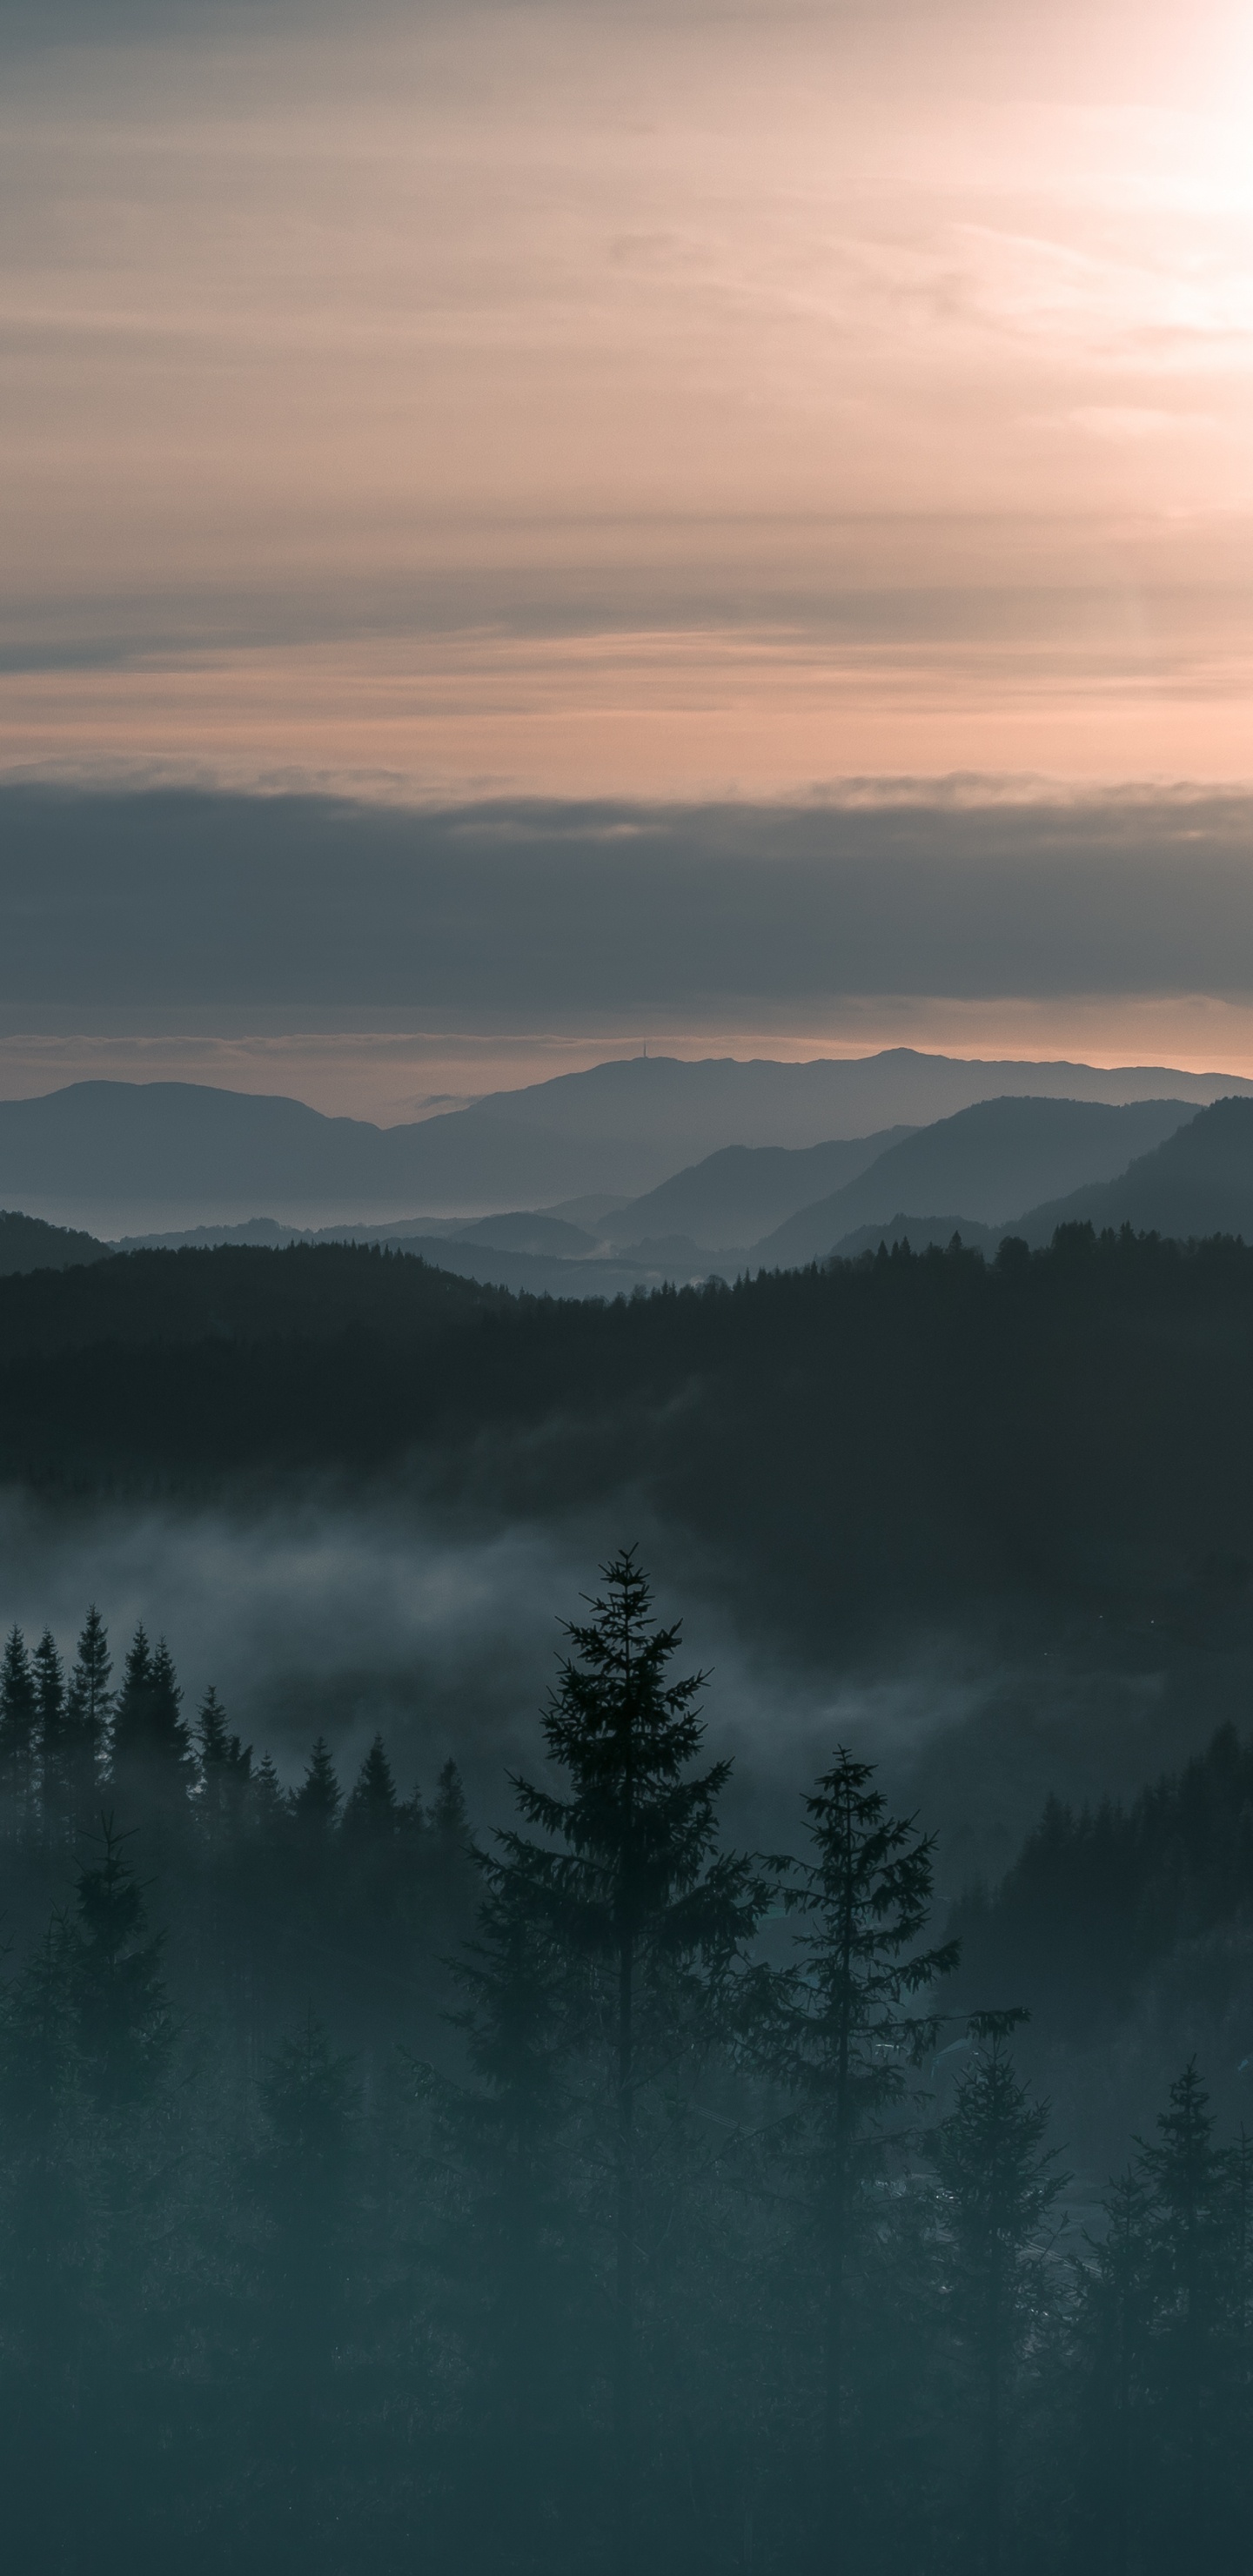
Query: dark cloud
186	897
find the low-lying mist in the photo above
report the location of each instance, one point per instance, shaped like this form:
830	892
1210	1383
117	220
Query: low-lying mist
351	1617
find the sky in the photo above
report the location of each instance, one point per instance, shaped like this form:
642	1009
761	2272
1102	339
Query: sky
554	409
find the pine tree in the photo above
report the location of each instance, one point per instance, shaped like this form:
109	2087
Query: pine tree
1193	2216
268	1803
53	1736
316	1803
18	1748
637	1895
224	1763
998	2184
372	1813
153	1765
834	2034
1114	2322
89	1716
508	2246
124	2027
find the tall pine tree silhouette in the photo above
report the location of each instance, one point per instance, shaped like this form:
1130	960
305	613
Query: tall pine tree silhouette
53	1732
1193	2220
317	1802
998	2184
89	1717
636	1892
18	1734
153	1766
836	2034
224	1763
1114	2324
508	2246
372	1813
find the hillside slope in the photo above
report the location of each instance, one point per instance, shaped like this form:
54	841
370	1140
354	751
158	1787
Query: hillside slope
740	1192
138	1158
1198	1182
989	1161
26	1243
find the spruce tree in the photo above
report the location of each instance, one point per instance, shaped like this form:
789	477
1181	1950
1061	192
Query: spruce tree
89	1716
18	1737
316	1803
1114	2323
508	2245
224	1764
835	2034
1193	2218
372	1812
53	1740
651	1914
268	1804
998	2184
153	1766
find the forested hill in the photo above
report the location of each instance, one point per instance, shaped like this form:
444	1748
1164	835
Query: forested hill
903	1432
236	1293
27	1243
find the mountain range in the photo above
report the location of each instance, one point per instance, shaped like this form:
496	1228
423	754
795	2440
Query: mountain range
124	1158
1156	1165
989	1162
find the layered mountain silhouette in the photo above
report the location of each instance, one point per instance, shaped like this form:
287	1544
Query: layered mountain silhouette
742	1191
129	1157
1198	1182
986	1163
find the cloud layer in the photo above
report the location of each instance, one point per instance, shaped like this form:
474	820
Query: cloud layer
209	900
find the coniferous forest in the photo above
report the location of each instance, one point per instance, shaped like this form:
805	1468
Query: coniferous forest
589	2194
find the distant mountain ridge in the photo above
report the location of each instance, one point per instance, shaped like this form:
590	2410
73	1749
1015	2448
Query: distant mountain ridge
134	1157
734	1195
989	1161
1198	1182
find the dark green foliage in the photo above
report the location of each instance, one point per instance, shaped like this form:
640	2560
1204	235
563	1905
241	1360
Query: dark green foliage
90	1715
998	2186
511	2246
152	1760
620	2232
316	1803
19	1712
225	1765
1070	1429
54	1731
373	1811
652	1917
833	2032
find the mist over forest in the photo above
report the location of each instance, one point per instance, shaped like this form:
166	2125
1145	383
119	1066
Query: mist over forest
541	2096
626	1289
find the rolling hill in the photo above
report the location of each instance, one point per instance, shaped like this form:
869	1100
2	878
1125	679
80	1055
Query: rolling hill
980	1162
733	1196
1198	1182
26	1243
135	1158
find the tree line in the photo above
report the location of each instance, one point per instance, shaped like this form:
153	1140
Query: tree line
1066	1428
589	2197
